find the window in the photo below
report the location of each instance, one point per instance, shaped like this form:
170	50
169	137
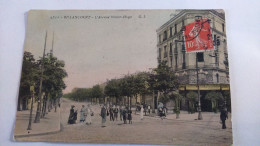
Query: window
159	38
165	35
165	51
223	27
175	27
160	50
170	31
171	61
175	49
200	57
170	48
217	76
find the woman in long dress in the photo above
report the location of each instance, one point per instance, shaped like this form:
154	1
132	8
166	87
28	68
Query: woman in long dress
89	112
103	115
71	116
142	113
82	114
129	112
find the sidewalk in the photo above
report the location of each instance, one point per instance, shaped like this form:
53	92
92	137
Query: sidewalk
49	124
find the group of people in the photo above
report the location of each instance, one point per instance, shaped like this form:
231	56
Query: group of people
162	111
145	108
125	114
85	115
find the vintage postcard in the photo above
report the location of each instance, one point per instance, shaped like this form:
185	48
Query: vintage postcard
125	77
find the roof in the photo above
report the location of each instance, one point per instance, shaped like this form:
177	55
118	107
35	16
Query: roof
219	13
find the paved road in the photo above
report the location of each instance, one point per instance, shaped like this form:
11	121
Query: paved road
151	130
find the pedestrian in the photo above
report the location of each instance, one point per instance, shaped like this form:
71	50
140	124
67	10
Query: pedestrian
223	117
89	114
121	112
145	109
149	109
164	111
103	115
142	112
83	113
161	113
71	116
111	113
116	112
75	117
124	113
129	114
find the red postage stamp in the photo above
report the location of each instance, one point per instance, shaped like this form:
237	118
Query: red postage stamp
198	36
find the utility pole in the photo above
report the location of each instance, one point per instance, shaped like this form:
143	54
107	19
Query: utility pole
38	112
198	87
30	118
52	44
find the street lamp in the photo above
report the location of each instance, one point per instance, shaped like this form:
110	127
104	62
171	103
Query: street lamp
30	118
38	113
199	103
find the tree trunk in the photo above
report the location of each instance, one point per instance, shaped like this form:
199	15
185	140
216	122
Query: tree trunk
24	102
153	107
19	104
43	105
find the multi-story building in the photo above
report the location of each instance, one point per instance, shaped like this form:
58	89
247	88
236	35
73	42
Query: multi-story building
212	64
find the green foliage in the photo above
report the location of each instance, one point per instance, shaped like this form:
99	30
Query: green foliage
97	92
177	98
112	89
164	79
29	76
127	86
192	98
50	69
214	96
164	98
53	76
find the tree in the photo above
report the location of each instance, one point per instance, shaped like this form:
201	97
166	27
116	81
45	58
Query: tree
176	97
127	87
227	99
192	98
53	75
214	97
112	89
141	85
97	92
29	77
164	80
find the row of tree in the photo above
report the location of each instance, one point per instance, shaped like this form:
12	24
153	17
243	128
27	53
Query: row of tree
47	72
161	79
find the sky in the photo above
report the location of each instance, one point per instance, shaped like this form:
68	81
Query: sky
97	45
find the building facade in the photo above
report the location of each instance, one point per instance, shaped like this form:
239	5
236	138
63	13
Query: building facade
213	69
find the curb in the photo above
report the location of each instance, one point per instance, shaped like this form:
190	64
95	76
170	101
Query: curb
38	134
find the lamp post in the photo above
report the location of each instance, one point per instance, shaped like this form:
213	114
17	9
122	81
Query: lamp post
38	113
30	118
197	72
198	87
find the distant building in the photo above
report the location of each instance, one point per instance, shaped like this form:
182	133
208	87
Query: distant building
212	64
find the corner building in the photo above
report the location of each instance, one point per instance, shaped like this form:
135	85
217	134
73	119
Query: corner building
212	64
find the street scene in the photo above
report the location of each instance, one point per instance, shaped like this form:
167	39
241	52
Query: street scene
151	130
125	77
